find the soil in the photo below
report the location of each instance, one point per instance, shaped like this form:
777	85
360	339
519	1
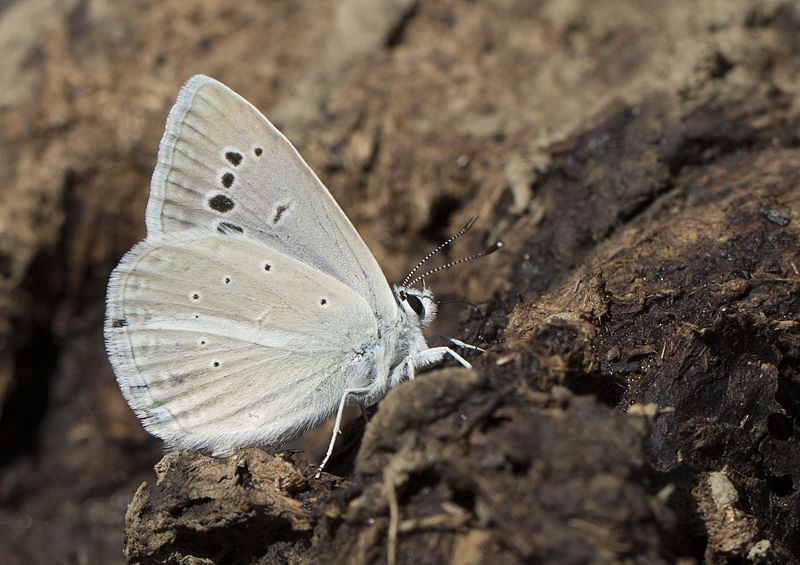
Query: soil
639	396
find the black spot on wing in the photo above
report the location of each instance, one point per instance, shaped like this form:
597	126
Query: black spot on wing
119	323
227	179
234	158
221	203
258	151
279	212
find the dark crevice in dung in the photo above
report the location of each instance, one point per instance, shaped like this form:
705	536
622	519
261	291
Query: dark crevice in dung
442	210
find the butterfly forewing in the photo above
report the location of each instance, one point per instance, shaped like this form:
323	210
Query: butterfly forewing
218	340
223	166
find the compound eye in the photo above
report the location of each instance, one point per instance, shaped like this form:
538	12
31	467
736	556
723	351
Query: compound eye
416	304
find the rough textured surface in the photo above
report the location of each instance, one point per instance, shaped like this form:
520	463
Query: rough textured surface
222	510
639	397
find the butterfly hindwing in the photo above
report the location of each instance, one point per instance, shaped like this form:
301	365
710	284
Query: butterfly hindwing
218	340
223	166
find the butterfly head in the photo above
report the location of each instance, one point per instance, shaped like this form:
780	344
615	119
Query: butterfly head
416	304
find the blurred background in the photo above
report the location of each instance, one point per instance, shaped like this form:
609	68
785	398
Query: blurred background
416	114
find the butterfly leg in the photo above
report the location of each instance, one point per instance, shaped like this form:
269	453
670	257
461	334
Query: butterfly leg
424	358
459	343
409	367
434	355
338	424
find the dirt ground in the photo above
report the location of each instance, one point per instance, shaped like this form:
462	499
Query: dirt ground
638	401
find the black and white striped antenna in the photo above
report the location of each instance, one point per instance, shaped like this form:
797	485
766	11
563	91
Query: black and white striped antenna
489	250
450	240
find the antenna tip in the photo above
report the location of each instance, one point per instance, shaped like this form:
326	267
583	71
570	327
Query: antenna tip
493	248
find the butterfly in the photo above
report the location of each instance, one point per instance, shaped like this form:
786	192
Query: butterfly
253	310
